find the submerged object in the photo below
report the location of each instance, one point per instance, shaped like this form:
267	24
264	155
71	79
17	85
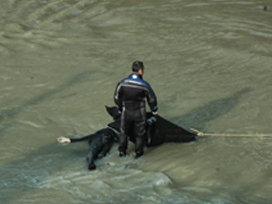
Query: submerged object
158	129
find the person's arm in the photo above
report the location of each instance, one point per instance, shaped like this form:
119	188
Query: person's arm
118	96
152	100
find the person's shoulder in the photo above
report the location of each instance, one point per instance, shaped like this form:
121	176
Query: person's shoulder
125	79
145	83
122	80
130	79
135	79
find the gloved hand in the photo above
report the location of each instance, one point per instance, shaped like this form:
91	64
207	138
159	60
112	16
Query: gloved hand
154	110
151	120
120	108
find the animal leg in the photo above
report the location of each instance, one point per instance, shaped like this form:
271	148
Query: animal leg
106	149
92	156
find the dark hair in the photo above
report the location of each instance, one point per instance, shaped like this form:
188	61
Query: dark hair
137	66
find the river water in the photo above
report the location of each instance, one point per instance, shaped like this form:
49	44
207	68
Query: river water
209	63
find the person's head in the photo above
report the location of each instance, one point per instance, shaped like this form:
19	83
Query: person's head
138	67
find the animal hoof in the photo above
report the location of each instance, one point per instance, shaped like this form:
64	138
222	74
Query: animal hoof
92	167
122	154
63	140
138	155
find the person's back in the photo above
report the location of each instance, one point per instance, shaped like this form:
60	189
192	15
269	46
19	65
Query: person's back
130	95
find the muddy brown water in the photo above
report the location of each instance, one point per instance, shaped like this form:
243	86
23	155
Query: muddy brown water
209	63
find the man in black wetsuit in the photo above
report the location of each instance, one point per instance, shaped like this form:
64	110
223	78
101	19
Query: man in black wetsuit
129	96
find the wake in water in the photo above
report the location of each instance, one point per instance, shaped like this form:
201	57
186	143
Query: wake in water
128	184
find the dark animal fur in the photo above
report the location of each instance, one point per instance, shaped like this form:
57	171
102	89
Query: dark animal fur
158	129
100	144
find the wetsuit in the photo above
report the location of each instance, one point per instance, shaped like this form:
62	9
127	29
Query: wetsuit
130	95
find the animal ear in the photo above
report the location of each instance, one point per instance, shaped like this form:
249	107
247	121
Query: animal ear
113	111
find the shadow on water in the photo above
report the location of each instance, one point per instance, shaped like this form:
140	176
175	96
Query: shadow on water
198	117
12	112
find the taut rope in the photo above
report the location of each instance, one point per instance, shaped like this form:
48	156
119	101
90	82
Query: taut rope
198	133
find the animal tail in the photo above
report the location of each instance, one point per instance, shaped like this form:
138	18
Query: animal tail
66	140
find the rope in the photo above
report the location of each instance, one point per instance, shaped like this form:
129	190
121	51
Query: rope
198	133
